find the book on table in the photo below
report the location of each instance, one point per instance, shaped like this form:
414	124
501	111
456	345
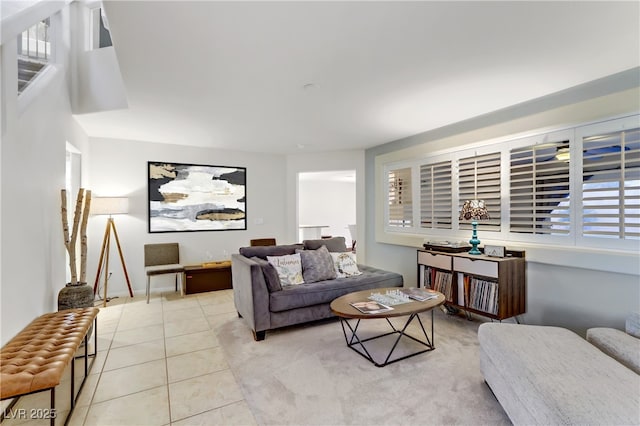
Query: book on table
419	294
371	307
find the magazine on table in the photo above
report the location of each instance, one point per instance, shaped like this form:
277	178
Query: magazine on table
419	294
371	307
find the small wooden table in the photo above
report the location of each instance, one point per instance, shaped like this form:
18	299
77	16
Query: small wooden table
343	309
207	277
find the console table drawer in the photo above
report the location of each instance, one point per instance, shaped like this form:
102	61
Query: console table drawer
477	267
434	260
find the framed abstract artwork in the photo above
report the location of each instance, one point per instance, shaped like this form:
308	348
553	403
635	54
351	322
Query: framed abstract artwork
194	197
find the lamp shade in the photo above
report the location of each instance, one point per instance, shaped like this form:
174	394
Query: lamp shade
109	205
474	210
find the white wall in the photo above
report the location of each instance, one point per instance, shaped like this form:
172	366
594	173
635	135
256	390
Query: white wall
119	168
34	137
322	162
99	85
574	297
326	202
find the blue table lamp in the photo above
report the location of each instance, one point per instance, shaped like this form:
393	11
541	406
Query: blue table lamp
474	210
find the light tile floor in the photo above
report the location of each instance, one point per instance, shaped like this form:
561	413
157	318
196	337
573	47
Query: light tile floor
157	364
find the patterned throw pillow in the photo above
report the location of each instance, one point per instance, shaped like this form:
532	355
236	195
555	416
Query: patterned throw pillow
345	264
289	268
317	265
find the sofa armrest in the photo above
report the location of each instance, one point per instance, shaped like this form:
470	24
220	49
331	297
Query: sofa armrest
619	345
250	293
632	324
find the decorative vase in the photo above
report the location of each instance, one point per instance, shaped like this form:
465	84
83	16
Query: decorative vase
75	295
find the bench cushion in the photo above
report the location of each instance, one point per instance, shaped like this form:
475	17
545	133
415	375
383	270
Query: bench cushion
550	375
36	358
320	292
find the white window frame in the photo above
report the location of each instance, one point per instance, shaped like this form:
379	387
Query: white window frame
610	126
421	201
385	177
504	145
568	239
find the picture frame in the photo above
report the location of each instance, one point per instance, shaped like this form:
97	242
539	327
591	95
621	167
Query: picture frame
186	197
494	251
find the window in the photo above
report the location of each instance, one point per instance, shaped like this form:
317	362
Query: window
611	185
100	33
435	195
578	186
479	179
34	51
400	204
539	182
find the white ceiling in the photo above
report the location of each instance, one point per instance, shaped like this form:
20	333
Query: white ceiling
233	74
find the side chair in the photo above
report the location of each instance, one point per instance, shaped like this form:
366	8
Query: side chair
160	259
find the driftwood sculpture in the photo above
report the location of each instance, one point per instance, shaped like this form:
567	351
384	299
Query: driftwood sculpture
80	218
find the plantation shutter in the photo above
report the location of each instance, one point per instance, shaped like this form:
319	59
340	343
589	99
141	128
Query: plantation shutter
435	195
479	179
400	203
540	199
611	185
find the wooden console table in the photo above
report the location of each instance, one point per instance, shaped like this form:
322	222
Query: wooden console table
493	287
207	277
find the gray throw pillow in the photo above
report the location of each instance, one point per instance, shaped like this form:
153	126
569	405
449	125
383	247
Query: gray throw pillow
270	274
335	244
317	265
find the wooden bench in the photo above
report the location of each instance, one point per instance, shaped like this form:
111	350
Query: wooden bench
36	358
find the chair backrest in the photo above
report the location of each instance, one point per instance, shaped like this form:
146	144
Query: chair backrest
161	254
263	242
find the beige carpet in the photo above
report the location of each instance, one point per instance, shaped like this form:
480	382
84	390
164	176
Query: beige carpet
307	375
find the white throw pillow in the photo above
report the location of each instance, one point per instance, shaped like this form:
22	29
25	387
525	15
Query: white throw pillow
345	264
289	268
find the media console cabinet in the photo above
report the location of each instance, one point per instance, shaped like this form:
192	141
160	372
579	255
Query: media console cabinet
493	287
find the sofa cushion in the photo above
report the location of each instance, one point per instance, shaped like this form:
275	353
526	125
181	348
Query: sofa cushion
264	251
270	274
309	294
550	375
618	345
335	244
345	264
289	268
317	265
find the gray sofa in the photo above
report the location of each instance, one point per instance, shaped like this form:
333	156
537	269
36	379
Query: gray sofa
550	375
264	305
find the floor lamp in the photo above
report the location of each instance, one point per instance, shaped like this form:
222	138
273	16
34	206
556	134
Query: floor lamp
109	206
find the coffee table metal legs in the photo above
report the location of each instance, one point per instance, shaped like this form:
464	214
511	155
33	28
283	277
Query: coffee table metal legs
357	344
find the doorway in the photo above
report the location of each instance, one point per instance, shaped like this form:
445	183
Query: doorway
327	204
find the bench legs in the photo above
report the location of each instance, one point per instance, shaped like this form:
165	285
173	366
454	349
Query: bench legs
52	417
86	355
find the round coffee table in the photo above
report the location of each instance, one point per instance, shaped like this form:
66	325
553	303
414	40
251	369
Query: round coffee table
342	308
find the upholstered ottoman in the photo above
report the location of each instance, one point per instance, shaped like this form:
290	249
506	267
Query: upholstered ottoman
550	375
